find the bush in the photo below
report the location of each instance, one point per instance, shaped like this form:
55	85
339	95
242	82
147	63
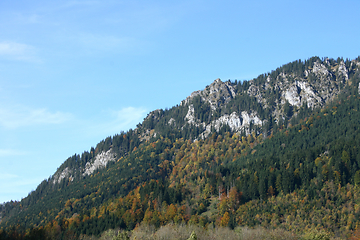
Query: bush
121	236
316	235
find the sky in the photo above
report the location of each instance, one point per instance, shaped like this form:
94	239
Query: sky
75	72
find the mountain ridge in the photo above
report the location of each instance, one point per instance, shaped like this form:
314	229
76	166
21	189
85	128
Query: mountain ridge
297	89
229	122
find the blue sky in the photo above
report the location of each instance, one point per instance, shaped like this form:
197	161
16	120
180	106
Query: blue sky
75	72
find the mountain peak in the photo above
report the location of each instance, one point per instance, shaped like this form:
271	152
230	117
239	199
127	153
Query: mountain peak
217	93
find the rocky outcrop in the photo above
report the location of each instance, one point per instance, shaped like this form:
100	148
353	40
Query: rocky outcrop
235	122
190	116
301	92
101	160
320	69
217	94
66	173
318	84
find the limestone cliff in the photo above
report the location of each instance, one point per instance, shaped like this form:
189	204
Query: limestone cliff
312	83
217	94
100	161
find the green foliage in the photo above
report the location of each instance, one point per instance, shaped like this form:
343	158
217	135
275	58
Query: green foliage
316	235
202	109
193	236
121	236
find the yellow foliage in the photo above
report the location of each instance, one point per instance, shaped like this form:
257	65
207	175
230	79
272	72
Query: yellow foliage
224	222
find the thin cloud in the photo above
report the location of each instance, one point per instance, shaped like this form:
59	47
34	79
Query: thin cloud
10	152
25	18
128	117
13	187
115	121
21	117
18	51
7	176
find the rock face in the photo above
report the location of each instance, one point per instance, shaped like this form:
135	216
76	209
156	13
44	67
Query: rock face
301	92
217	94
235	122
314	87
101	160
311	84
66	173
320	69
190	116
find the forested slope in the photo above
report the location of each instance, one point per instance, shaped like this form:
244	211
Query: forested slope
297	170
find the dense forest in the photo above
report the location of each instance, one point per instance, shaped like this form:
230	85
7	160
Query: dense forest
299	173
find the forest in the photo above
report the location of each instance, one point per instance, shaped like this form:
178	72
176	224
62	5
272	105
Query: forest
300	176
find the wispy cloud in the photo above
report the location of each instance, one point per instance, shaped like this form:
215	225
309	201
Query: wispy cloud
14	187
127	117
18	51
11	118
7	176
115	121
10	152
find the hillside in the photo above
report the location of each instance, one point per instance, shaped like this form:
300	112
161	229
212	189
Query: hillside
278	151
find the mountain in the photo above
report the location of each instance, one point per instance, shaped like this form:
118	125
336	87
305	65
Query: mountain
271	97
279	151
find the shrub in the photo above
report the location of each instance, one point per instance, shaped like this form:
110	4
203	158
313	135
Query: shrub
316	235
